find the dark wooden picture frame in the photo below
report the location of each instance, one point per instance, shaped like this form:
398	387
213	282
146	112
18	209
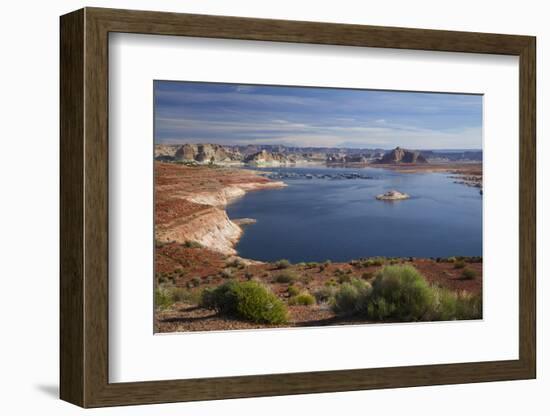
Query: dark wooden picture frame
84	207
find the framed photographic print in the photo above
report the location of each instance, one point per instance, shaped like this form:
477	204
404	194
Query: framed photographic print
255	207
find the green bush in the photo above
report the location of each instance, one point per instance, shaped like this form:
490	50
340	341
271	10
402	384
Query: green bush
400	293
459	264
304	298
469	306
192	244
246	300
293	290
306	279
160	244
325	294
324	265
373	261
236	263
367	276
287	276
179	294
331	282
468	274
282	264
345	278
456	306
165	278
194	282
352	298
163	299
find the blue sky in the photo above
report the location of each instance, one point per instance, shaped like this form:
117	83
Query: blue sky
196	112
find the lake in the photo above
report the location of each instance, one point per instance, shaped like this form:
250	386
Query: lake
329	216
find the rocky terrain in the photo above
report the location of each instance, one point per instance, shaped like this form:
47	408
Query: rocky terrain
190	203
265	158
206	153
392	196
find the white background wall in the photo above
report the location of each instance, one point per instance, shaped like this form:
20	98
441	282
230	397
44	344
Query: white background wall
29	209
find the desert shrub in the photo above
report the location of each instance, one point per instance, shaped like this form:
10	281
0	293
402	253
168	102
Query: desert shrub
282	264
311	265
367	275
165	278
236	263
304	298
246	300
468	274
456	306
459	264
219	298
469	306
194	282
306	279
293	290
324	265
179	294
331	283
192	244
345	278
163	299
226	273
325	294
352	298
373	261
287	276
400	293
160	244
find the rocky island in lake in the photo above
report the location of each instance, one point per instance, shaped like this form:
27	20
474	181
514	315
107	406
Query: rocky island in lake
392	196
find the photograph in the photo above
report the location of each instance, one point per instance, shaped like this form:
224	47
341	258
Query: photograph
310	206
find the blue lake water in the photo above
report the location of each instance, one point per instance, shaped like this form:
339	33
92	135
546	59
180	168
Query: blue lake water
340	219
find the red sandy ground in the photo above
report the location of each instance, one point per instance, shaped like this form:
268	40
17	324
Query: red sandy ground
174	182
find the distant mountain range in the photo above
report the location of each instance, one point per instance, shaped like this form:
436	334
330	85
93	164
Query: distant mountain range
275	155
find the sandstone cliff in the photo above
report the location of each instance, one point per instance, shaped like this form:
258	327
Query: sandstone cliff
190	204
205	153
264	157
399	155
